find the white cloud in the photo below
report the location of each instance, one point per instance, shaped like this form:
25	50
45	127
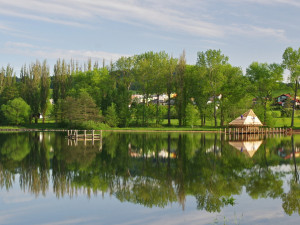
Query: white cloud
11	44
272	2
191	16
257	32
79	13
26	49
6	29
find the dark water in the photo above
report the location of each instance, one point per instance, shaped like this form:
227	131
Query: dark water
149	178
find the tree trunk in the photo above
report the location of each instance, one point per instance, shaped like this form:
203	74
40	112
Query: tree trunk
222	115
157	110
169	109
215	111
222	118
179	114
144	107
294	103
265	111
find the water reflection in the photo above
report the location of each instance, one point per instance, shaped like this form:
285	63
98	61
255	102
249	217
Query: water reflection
247	147
153	169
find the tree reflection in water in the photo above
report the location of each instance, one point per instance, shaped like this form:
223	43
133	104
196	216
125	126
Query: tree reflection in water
151	169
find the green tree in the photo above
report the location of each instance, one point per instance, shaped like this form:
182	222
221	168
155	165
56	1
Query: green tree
76	111
169	81
45	89
111	117
235	98
291	61
213	62
265	79
61	80
198	90
8	85
181	98
123	77
143	74
16	111
160	70
30	88
192	115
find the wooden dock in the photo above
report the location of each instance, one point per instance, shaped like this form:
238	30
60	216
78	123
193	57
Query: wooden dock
258	131
242	134
85	134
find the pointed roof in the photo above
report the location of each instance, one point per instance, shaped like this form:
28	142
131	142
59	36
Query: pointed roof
247	147
247	119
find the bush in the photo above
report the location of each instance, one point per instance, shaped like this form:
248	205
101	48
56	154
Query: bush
286	112
16	111
92	125
270	120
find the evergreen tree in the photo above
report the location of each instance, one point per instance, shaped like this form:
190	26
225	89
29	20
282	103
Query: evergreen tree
111	117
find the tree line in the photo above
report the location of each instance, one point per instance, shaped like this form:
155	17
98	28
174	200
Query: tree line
96	95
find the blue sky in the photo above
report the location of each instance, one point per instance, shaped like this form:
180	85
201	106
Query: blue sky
244	30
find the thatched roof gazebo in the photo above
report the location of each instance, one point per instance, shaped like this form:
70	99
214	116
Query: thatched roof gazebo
247	123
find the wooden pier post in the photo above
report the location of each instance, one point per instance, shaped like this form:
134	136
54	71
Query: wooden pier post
100	148
93	133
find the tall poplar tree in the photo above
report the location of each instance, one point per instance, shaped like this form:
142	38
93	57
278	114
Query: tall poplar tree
33	91
169	82
44	89
30	88
143	72
291	61
181	100
61	82
8	84
123	76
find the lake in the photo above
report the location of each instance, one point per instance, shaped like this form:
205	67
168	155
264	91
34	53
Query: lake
149	178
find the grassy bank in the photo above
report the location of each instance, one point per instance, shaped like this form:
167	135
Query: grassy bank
50	125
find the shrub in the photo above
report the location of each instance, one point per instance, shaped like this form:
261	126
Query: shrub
16	111
92	125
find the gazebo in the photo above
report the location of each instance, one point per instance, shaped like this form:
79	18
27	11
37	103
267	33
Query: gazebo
247	123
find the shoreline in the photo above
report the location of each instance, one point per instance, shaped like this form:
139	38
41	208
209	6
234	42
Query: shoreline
114	130
297	131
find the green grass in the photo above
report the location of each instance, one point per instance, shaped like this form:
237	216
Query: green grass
278	122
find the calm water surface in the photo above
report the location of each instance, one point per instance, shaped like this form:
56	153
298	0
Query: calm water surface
149	178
